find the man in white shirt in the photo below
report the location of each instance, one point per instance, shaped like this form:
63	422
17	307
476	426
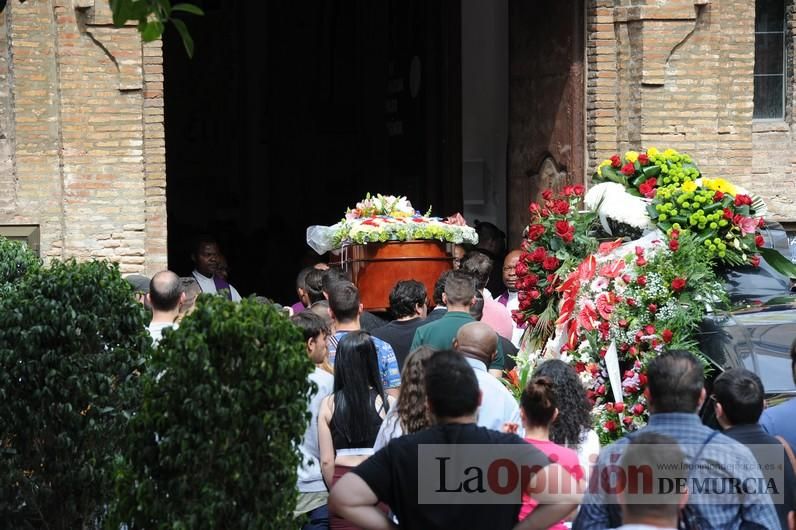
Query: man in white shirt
478	343
509	298
206	259
312	490
165	296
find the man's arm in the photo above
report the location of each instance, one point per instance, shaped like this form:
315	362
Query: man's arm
353	500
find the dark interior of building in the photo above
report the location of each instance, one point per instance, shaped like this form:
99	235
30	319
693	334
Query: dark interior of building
290	112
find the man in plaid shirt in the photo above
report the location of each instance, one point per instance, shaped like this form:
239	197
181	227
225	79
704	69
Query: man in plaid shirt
676	392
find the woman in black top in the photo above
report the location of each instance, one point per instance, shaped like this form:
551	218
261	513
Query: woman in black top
351	416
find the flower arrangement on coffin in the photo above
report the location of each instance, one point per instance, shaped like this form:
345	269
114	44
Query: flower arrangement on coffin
556	241
621	307
382	218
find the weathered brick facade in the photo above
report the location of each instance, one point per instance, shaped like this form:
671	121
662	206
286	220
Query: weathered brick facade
82	150
678	74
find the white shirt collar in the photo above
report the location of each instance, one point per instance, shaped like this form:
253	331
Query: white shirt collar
475	363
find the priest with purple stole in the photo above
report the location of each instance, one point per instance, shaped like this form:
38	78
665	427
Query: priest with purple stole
206	261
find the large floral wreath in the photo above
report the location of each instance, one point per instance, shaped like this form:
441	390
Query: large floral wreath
610	312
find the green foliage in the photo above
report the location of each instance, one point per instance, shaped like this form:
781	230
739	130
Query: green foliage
16	259
152	17
71	335
224	408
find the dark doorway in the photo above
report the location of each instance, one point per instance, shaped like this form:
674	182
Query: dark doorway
290	112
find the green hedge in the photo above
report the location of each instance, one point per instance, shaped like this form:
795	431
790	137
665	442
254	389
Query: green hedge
16	259
224	407
71	336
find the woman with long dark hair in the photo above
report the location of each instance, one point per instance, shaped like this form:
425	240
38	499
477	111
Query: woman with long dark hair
410	413
573	426
351	416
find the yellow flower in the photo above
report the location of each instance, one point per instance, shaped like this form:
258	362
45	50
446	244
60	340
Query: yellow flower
689	186
670	153
652	151
631	156
603	164
719	185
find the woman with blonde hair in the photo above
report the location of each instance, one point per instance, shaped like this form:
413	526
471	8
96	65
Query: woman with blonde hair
410	414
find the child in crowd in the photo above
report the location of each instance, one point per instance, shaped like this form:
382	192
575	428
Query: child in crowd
538	411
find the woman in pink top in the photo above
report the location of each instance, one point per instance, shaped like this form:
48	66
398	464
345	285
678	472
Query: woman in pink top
539	410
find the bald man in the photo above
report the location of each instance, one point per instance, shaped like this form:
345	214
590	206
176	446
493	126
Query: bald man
477	342
165	296
509	296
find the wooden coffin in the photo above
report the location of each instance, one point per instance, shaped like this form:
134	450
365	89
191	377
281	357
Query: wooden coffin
375	268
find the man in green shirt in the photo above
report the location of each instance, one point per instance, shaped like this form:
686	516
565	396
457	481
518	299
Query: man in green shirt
459	296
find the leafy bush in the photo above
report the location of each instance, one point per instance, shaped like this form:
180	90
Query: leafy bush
224	407
16	259
71	335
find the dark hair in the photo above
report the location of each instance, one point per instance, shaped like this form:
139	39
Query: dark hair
459	288
477	309
344	301
310	324
203	239
574	408
741	395
650	452
405	296
302	277
439	288
675	380
538	400
331	276
451	386
479	265
165	290
313	285
411	406
322	310
793	361
356	371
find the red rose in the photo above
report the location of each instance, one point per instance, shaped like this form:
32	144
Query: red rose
627	278
633	351
718	196
647	188
619	407
534	294
601	390
628	169
666	335
675	234
552	278
761	223
533	320
674	245
550	263
545	212
631	302
538	255
603	351
535	231
622	323
610	425
616	161
568	237
628	420
638	409
534	208
755	261
521	269
652	308
525	304
563	227
547	194
759	241
743	200
642	379
737	219
549	290
678	284
578	190
727	213
643	159
568	191
531	279
640	261
649	329
642	281
639	251
560	207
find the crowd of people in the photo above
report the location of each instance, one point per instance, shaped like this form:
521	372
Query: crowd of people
431	377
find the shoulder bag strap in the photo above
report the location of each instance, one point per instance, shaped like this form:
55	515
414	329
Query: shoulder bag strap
788	450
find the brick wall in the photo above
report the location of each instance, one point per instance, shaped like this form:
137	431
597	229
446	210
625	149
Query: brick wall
678	74
87	122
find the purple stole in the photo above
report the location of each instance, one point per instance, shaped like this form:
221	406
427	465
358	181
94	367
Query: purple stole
222	284
503	298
